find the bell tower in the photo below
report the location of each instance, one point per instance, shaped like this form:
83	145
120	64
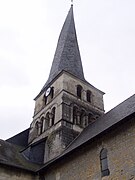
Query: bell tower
67	103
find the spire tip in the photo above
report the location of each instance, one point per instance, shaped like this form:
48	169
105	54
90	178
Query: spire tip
71	2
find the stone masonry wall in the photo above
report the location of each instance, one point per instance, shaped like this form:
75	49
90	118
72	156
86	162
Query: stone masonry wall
84	164
9	173
70	84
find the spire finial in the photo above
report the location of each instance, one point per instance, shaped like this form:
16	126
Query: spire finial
71	2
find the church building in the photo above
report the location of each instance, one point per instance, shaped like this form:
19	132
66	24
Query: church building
71	137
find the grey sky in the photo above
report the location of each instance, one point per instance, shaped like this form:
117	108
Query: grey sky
29	31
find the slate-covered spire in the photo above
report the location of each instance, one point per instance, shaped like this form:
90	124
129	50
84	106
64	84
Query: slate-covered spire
67	56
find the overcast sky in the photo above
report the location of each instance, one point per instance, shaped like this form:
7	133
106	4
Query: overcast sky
29	31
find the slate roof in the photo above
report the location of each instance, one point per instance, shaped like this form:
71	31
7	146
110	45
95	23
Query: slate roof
104	123
20	139
10	155
67	55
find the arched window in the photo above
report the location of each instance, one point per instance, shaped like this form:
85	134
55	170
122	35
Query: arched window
42	125
104	163
88	96
53	118
52	92
79	91
45	99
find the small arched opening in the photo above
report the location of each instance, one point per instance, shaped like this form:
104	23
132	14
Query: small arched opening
104	163
42	125
47	121
79	91
52	92
88	96
53	115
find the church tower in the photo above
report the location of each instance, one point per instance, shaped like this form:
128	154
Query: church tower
66	104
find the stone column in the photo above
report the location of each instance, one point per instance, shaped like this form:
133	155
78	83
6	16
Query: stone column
43	129
78	118
50	117
39	128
